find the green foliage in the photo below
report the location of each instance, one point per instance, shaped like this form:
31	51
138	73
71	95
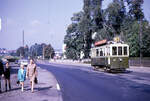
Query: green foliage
115	14
23	51
36	50
146	39
108	23
42	49
135	9
74	39
133	39
49	52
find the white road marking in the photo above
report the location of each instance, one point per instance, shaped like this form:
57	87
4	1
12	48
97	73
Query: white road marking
58	87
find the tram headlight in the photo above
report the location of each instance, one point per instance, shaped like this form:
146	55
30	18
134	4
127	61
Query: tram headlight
120	59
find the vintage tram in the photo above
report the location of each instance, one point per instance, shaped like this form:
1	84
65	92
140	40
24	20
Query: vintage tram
110	55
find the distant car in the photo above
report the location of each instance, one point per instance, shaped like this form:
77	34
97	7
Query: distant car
16	62
23	62
4	61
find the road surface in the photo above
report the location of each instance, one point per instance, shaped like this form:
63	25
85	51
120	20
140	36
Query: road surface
83	84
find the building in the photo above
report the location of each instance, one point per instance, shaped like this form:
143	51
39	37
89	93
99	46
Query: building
3	51
64	50
58	54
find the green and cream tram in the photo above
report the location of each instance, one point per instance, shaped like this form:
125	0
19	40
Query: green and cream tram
110	55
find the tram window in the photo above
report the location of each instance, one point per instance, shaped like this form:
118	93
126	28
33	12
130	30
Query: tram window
125	50
97	52
114	50
101	52
119	50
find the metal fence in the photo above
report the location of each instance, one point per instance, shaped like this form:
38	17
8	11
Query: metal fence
145	61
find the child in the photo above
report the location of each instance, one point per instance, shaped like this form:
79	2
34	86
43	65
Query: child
22	76
7	76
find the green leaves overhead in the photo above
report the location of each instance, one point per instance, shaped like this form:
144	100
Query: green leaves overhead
115	20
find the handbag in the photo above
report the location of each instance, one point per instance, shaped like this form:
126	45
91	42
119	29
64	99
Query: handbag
18	82
35	80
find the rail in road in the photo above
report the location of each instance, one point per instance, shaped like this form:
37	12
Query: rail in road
83	84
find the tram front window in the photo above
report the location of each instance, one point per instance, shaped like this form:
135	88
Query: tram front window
114	50
101	52
125	50
119	50
97	52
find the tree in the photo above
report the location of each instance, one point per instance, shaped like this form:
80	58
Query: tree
97	15
40	49
135	9
26	51
23	51
116	14
85	26
49	52
74	38
108	23
20	51
145	48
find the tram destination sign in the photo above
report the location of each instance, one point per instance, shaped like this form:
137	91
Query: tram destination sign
99	43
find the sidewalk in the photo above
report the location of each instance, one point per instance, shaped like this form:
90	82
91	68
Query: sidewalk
70	62
45	90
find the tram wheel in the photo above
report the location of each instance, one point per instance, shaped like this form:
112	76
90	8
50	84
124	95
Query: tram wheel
106	69
94	67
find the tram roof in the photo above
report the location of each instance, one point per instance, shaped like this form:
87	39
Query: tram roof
112	43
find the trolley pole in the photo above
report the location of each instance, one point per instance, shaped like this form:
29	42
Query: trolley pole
43	52
23	38
22	55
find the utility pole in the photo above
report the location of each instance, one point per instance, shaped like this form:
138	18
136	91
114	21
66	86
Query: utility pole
23	38
23	43
43	52
140	42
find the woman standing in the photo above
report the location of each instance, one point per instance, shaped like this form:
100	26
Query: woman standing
7	76
31	73
22	76
1	72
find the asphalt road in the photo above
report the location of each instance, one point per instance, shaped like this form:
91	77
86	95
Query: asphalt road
84	84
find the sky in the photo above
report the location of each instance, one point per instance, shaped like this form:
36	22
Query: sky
43	21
